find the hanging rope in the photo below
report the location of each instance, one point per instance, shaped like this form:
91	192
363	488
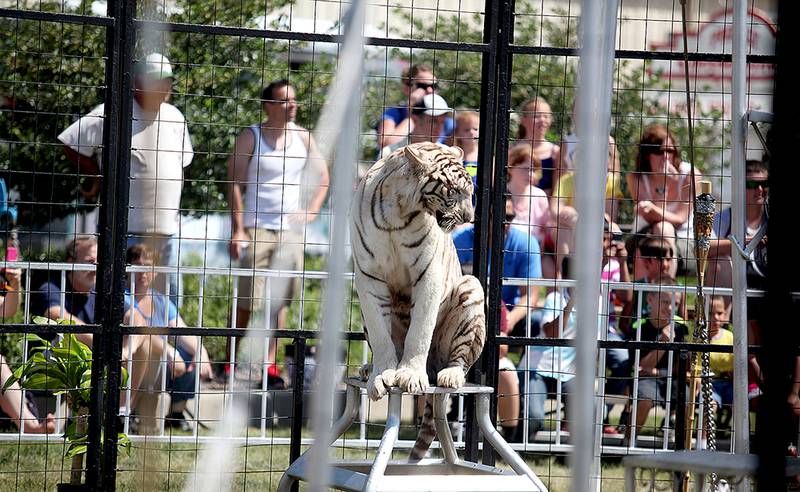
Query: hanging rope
703	209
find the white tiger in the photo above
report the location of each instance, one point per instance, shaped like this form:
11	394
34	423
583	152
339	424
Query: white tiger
424	320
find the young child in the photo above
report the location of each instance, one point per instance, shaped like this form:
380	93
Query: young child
465	135
661	325
655	257
721	363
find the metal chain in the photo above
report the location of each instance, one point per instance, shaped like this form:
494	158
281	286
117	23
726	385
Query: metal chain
701	325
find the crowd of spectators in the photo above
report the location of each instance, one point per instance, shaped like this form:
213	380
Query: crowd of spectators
268	167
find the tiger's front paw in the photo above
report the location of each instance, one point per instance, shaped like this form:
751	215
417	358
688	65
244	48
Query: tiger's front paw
379	383
411	380
376	389
451	377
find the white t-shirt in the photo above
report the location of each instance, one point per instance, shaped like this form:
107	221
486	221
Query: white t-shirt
553	362
557	362
160	149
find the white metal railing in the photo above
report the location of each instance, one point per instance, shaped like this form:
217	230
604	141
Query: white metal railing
557	444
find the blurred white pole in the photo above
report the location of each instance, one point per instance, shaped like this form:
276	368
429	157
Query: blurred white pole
741	413
598	33
339	125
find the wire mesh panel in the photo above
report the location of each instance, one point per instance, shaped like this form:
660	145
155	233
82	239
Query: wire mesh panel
166	198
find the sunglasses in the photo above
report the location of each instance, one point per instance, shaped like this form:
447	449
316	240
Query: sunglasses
425	86
752	184
659	150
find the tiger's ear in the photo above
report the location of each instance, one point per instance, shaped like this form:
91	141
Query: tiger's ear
457	152
419	158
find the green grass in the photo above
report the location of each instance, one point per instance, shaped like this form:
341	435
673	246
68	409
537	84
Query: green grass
167	466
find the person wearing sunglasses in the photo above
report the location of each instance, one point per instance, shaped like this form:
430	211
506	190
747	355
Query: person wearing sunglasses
521	259
755	198
660	187
396	122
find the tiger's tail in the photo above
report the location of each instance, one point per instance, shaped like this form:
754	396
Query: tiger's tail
427	432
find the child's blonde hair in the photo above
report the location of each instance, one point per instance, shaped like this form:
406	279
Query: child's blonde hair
464	117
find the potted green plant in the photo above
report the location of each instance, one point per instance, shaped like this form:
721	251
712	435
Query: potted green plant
65	368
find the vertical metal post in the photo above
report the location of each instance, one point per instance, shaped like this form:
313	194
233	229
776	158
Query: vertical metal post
779	354
486	138
492	148
598	33
741	413
107	346
680	401
297	402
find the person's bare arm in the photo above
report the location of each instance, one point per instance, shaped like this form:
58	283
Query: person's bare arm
720	247
624	295
86	166
237	176
528	299
649	362
10	302
680	216
317	170
190	343
632	179
57	312
557	164
550	329
389	132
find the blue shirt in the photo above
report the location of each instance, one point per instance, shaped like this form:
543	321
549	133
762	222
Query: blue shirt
521	257
78	304
400	113
164	310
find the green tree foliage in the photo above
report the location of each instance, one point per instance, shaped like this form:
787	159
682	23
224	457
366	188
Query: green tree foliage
50	73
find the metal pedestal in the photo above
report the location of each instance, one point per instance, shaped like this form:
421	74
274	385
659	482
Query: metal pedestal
449	473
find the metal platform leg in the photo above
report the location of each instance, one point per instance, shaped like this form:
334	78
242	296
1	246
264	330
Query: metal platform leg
448	474
500	445
289	477
387	442
442	427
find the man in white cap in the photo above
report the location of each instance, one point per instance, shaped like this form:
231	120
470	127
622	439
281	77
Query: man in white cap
160	149
428	117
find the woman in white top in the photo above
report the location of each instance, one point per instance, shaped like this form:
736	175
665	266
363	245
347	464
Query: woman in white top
661	189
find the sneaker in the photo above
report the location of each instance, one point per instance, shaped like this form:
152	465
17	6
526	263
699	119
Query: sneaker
611	430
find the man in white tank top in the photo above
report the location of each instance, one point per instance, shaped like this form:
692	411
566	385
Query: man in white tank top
274	165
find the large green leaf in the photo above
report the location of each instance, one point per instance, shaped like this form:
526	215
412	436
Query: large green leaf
76	449
43	381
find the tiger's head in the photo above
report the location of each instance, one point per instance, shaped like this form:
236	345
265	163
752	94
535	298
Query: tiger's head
445	187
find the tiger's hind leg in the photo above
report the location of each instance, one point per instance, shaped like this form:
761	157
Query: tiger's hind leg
462	332
457	344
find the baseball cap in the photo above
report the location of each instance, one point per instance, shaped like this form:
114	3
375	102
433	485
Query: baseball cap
432	105
155	65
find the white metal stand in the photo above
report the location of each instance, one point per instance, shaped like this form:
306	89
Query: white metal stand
447	474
